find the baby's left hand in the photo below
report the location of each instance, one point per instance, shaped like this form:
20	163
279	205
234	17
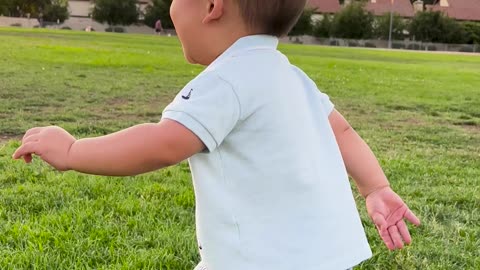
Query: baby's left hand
388	211
51	144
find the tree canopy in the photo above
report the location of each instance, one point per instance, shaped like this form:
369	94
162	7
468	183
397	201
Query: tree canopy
159	9
50	10
116	12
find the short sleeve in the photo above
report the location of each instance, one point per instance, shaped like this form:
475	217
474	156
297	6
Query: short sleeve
324	99
208	106
326	102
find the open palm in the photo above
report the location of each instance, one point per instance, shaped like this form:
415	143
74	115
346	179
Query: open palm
388	211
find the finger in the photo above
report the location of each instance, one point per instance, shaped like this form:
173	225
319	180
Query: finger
385	235
28	158
403	229
31	132
25	149
410	216
395	235
31	138
379	221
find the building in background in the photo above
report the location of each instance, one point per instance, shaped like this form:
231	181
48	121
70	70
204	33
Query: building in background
404	8
80	8
325	6
461	10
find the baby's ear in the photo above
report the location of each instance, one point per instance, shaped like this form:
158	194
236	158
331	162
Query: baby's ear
215	10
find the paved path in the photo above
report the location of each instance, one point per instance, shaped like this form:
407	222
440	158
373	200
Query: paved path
6	138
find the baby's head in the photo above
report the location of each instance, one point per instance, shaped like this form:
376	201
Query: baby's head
207	28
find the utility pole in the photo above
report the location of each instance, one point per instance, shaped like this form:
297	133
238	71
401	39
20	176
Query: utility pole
391	26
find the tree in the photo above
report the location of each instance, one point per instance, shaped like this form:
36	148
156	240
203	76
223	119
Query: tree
353	22
56	11
453	31
20	8
434	26
52	9
6	7
159	9
472	32
382	29
304	25
115	12
323	28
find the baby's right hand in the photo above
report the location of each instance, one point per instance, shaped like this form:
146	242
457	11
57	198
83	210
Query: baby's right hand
51	144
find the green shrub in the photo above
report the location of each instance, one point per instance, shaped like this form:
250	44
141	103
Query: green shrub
468	49
430	48
159	9
382	27
119	29
352	44
323	28
57	11
434	26
414	47
334	43
304	25
116	29
353	22
396	45
115	12
472	32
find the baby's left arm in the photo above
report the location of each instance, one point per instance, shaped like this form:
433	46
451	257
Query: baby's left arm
385	207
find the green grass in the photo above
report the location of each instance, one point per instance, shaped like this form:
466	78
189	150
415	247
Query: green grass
419	112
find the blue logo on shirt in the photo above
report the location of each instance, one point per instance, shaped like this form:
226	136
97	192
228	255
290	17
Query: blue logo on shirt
187	97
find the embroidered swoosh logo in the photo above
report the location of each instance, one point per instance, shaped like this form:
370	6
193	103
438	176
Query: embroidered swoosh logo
187	97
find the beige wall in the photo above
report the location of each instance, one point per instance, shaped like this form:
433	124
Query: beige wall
23	22
80	8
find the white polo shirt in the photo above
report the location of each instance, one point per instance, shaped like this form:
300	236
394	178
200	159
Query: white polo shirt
272	191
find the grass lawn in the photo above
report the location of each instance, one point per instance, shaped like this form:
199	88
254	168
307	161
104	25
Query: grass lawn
419	112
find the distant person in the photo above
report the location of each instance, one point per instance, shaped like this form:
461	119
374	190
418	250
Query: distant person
40	19
158	27
269	153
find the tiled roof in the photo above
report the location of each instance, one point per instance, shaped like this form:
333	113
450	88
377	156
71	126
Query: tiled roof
466	10
325	6
402	7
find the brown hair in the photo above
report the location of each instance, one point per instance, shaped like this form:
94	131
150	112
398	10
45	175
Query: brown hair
271	17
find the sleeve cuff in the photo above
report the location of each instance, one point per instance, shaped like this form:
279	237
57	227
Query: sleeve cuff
329	107
193	125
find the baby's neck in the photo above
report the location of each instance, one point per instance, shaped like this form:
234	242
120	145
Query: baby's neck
217	46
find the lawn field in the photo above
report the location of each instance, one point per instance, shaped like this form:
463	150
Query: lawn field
420	113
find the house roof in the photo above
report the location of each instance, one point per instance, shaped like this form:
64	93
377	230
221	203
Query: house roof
465	10
325	6
402	7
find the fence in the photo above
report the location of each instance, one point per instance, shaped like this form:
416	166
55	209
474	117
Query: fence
19	22
396	44
82	23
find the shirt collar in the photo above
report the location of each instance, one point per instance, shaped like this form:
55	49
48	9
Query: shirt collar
247	43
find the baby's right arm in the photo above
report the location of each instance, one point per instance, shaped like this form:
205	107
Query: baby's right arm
132	151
